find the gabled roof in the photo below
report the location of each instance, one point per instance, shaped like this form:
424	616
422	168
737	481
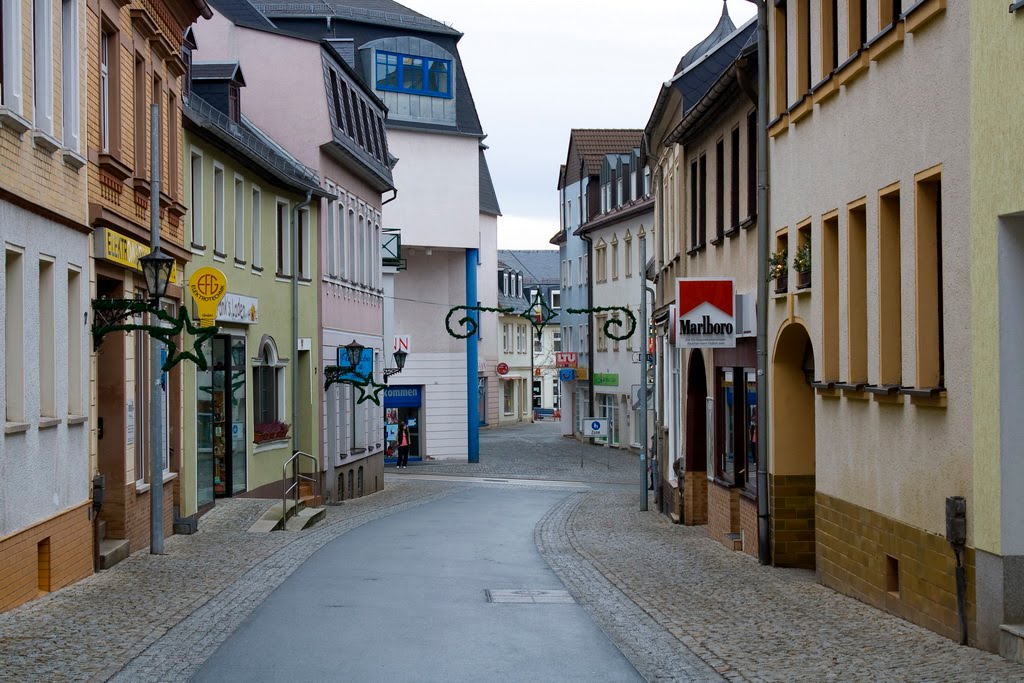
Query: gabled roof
242	13
592	144
539	266
379	12
217	71
722	30
488	197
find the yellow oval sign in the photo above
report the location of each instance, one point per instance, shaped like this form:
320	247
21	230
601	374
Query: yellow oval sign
208	286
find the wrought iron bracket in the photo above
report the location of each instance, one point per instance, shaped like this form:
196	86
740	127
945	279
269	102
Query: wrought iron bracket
369	390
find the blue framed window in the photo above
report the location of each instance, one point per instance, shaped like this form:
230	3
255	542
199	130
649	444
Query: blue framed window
414	75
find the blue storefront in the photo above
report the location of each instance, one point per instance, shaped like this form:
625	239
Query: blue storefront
404	404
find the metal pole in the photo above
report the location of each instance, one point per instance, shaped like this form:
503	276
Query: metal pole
295	327
763	552
643	371
156	403
472	351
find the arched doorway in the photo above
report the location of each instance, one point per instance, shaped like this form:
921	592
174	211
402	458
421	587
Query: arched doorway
792	460
694	480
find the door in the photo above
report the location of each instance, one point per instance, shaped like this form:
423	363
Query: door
222	444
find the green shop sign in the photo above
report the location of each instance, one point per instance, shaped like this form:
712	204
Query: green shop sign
604	379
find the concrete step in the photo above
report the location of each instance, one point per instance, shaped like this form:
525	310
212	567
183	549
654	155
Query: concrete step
1011	642
102	528
274	520
305	519
113	551
737	540
312	501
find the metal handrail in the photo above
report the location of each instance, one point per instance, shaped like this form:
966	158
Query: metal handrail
298	476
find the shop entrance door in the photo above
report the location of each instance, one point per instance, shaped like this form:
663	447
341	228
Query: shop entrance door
404	404
222	445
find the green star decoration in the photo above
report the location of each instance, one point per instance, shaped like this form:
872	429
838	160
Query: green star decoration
110	313
373	394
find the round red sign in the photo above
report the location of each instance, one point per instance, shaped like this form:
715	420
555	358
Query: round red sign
502	368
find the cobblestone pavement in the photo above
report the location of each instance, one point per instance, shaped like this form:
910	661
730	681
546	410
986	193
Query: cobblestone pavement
158	618
745	621
539	451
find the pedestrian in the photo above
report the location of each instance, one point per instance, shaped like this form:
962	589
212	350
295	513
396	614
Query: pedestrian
403	446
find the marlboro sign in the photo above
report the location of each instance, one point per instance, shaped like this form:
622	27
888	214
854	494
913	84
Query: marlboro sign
705	313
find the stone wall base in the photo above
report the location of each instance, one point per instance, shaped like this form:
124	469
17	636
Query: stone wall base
723	514
895	567
791	510
748	525
695	498
50	555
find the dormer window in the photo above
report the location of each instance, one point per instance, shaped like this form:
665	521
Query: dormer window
234	111
414	75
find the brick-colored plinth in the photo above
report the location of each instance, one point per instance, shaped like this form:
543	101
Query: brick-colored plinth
791	510
695	498
865	555
723	513
29	566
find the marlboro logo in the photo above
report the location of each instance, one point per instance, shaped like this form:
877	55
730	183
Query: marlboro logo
706	313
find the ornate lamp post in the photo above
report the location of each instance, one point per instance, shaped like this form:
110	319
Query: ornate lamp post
355	353
157	267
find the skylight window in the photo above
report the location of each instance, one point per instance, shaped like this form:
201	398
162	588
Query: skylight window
414	75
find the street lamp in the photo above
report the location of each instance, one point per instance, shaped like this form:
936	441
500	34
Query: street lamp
399	356
355	353
157	268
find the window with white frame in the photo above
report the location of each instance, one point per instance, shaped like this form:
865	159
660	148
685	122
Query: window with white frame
302	234
601	261
196	193
508	397
332	233
628	254
375	255
519	289
69	74
602	341
556	341
632	185
42	65
74	349
218	210
647	181
268	385
239	219
108	52
350	242
257	216
506	338
568	272
615	258
47	342
583	339
282	239
10	55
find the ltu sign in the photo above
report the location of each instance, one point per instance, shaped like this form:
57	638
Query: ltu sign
706	313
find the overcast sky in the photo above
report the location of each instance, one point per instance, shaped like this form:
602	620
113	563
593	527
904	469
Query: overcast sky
541	67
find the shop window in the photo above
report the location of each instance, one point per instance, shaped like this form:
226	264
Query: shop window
725	464
268	385
736	417
779	68
857	24
928	239
857	292
749	472
508	397
720	190
47	340
830	295
890	347
14	335
829	36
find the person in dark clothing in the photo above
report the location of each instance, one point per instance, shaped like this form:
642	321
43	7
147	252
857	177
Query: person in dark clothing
403	446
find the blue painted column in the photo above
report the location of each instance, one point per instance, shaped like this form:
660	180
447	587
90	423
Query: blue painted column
472	351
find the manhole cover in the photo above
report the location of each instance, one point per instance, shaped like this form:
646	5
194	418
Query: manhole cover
535	597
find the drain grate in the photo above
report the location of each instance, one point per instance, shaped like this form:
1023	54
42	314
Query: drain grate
522	596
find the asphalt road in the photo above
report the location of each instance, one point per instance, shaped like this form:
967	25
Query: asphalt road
403	599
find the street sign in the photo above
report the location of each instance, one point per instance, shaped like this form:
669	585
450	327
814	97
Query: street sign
502	368
595	426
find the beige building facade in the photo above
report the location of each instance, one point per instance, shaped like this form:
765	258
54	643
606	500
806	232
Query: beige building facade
870	363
